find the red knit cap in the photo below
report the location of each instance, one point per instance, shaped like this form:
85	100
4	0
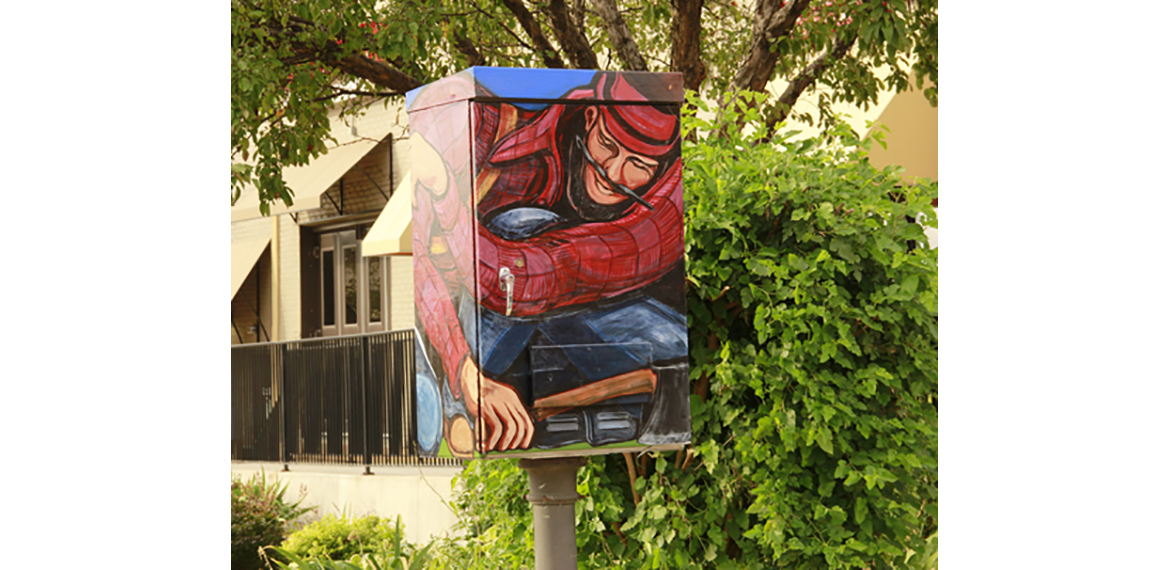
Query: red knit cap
642	129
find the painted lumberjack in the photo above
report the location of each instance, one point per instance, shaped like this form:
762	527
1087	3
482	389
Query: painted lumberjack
579	268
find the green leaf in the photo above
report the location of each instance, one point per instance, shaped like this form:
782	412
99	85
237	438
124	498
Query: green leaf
859	510
825	489
910	283
824	440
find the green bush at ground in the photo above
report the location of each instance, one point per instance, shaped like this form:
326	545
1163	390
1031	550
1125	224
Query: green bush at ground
344	543
341	537
812	314
260	518
493	527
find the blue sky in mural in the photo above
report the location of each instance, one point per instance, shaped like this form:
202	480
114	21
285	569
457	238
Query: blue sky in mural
518	82
508	82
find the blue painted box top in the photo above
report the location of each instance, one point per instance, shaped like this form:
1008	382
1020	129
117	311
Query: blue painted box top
541	86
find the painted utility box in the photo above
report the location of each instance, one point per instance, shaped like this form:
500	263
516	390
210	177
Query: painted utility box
548	263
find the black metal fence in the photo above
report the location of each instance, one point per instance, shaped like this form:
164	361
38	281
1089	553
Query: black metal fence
347	400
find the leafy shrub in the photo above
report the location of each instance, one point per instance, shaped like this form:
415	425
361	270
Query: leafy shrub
342	538
398	556
260	515
402	556
812	314
493	528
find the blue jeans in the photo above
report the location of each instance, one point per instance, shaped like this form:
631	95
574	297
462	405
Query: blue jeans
638	330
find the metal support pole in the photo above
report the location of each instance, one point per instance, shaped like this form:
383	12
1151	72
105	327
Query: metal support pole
366	366
552	490
285	452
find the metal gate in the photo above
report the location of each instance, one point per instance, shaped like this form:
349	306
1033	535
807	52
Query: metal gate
338	400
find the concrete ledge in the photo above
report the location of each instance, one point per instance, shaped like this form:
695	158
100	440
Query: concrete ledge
419	494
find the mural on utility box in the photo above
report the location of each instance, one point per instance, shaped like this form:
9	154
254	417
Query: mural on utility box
548	262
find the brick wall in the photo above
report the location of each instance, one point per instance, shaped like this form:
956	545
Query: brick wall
401	292
401	155
257	228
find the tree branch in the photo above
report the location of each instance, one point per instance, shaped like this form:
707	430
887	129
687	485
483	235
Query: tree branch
579	13
619	35
532	28
774	20
570	36
298	59
467	48
337	92
686	31
783	105
633	478
377	72
506	28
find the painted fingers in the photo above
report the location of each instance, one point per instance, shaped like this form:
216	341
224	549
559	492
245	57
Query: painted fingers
505	417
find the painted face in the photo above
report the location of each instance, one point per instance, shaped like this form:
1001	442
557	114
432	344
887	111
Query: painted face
619	163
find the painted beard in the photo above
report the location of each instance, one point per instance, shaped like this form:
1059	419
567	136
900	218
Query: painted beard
589	210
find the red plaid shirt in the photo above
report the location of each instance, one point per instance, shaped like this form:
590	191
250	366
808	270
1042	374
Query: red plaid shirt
560	268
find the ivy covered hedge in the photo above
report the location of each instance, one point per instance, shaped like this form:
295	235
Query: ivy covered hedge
813	312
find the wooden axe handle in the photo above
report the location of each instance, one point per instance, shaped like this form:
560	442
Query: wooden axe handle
636	382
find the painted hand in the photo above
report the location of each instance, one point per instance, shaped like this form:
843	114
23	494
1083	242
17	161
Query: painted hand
498	409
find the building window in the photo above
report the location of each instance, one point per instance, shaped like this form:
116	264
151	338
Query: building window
349	259
328	295
354	295
374	277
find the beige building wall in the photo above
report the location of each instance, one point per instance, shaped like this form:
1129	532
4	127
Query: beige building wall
258	228
401	154
420	495
912	141
401	292
289	235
